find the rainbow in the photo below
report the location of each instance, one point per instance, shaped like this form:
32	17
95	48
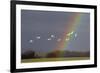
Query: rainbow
71	26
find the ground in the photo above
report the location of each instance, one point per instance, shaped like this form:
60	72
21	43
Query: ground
54	59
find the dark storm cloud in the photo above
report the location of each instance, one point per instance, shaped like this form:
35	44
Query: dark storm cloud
46	23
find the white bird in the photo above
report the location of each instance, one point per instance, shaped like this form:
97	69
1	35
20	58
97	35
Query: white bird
59	40
67	39
76	35
30	41
38	37
53	36
70	33
49	39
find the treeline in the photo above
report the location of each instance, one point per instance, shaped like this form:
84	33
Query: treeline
54	54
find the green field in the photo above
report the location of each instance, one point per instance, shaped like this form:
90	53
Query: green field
53	59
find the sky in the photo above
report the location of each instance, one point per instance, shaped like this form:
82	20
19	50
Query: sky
42	31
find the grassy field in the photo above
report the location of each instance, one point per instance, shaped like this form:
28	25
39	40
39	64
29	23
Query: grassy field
54	59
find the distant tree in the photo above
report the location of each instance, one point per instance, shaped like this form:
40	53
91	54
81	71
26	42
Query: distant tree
54	54
29	55
76	54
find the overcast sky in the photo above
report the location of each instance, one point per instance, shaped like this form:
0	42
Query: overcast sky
41	31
